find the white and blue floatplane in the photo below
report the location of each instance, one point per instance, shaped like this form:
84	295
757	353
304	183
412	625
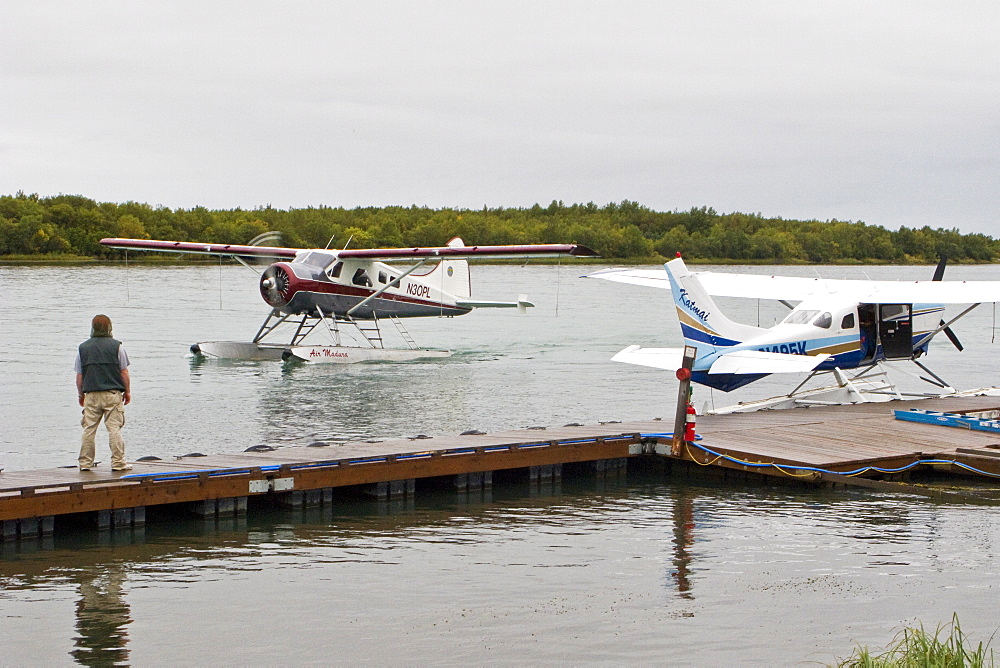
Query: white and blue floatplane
845	328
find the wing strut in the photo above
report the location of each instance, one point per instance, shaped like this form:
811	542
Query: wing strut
267	328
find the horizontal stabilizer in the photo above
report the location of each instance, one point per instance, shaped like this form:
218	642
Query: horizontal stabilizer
759	362
658	358
479	303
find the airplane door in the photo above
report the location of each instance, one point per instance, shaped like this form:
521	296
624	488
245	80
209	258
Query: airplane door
895	329
868	331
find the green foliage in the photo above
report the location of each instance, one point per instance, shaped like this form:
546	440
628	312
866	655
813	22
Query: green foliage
917	648
71	224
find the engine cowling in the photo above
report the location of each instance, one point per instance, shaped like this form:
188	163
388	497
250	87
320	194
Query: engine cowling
276	285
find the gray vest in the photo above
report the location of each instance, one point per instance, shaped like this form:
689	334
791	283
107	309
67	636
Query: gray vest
99	359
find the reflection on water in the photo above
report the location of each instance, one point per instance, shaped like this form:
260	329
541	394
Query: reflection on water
682	515
600	566
102	615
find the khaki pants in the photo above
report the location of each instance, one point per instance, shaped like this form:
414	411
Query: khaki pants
106	405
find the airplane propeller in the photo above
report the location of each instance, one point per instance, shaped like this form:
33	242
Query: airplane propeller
259	240
274	284
939	275
265	238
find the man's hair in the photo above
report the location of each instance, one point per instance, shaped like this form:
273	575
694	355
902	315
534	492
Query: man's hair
100	326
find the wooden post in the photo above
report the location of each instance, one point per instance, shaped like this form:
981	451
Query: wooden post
683	397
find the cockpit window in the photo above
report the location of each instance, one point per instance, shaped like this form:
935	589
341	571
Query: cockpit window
318	259
381	277
848	322
800	317
361	278
335	272
824	321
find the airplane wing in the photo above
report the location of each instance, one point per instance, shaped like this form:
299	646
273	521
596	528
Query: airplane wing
653	278
763	286
794	288
381	254
658	358
468	252
719	284
928	292
757	361
204	249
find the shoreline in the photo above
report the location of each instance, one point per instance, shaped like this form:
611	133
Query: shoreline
83	261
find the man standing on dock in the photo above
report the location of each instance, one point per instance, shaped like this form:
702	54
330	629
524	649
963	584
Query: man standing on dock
103	385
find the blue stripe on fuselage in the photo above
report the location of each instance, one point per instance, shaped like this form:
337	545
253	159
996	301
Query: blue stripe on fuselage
694	336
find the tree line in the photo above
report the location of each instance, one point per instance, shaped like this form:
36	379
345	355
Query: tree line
72	225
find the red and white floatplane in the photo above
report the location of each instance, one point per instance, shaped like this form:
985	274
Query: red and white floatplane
353	293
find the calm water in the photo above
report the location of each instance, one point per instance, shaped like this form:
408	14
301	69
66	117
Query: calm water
646	569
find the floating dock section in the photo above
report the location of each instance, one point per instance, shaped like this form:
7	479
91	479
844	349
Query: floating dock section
855	444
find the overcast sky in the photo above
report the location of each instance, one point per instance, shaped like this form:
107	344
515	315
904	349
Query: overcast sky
887	112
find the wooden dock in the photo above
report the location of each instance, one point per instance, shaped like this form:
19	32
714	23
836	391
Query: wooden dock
31	502
863	440
812	445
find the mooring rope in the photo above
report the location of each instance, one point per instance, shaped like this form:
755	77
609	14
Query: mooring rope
813	469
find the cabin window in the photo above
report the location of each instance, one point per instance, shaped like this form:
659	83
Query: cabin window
895	312
848	321
824	321
800	317
382	277
335	272
361	278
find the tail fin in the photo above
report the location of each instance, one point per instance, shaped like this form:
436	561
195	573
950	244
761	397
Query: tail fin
452	276
702	322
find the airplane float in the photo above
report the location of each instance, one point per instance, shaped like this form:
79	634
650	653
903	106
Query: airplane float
846	327
355	288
